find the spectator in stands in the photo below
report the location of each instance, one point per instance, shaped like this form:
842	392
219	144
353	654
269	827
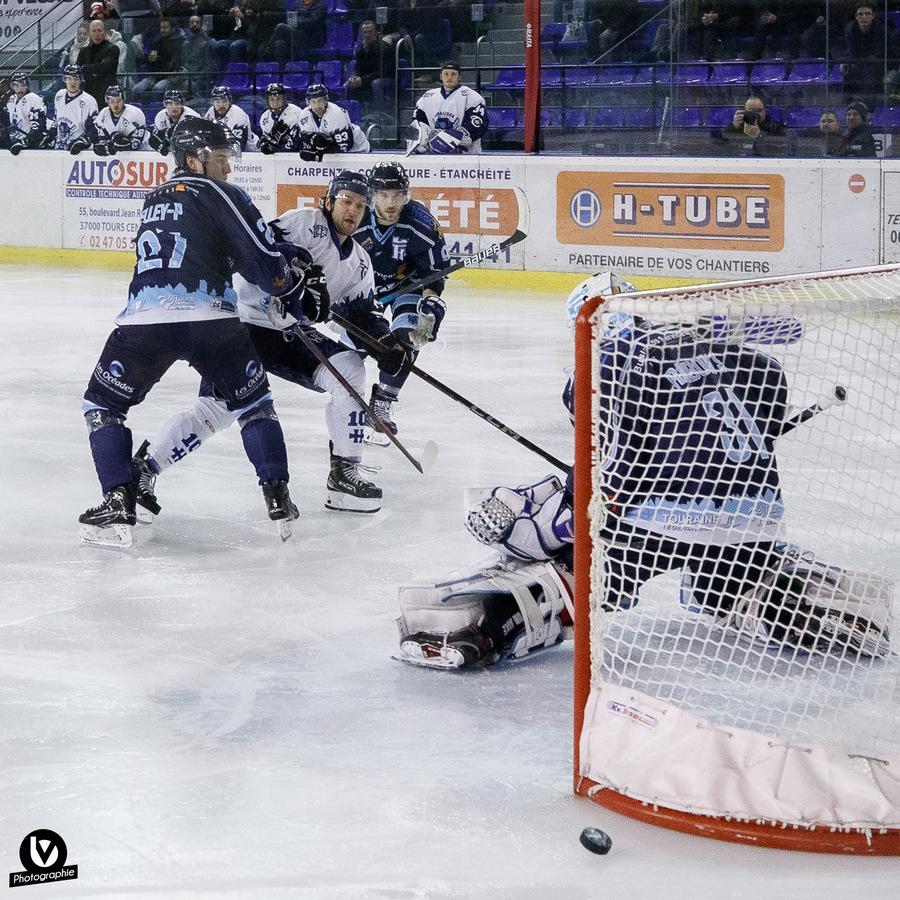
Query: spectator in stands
865	40
711	29
227	27
99	62
830	133
164	61
259	19
858	142
309	33
776	27
753	132
607	23
101	11
178	11
198	60
424	23
69	56
373	75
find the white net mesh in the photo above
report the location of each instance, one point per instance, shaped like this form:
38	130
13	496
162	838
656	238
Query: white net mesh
742	572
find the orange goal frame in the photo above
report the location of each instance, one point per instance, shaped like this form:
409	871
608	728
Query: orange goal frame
773	835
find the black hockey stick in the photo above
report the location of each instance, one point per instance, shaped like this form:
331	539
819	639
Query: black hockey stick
371	415
835	398
376	345
518	235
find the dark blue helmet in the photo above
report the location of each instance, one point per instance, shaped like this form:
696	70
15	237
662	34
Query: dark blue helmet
20	78
354	182
315	91
114	90
198	137
173	97
275	88
220	93
389	176
73	71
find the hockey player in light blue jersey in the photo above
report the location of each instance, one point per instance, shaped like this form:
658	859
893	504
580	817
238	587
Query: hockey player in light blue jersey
405	243
27	115
337	268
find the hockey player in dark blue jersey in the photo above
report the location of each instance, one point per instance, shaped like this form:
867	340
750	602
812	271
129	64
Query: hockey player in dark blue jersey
405	243
689	417
196	231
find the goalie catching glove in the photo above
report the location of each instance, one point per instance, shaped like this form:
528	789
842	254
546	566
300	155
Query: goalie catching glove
529	523
306	298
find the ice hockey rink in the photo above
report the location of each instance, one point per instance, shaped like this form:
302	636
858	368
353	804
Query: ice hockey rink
215	714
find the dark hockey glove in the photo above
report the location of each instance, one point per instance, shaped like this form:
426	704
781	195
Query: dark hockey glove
307	297
266	146
394	358
317	145
280	130
78	145
119	142
103	148
16	148
159	142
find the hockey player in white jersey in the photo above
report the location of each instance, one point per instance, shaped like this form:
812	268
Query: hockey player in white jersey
450	119
166	119
326	128
27	116
120	126
279	124
338	271
73	114
232	117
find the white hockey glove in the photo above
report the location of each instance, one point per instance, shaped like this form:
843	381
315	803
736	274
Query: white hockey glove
416	325
528	523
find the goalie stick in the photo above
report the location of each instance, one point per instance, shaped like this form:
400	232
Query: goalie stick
430	451
837	396
521	232
375	344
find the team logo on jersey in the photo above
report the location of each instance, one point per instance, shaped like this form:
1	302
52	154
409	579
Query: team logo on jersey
585	208
252	368
116	369
399	245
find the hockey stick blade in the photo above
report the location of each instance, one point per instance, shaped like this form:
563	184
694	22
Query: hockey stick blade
495	249
837	397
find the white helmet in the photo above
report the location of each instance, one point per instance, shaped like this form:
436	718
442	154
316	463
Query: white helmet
605	284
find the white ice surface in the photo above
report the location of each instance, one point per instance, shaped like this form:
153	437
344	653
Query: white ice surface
217	715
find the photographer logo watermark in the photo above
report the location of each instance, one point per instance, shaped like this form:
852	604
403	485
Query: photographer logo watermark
43	855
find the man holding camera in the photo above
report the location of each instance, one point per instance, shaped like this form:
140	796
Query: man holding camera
753	132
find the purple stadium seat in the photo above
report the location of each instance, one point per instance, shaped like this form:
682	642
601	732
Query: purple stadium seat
613	75
236	78
806	73
719	116
337	9
728	73
606	117
551	118
338	42
265	74
331	73
686	117
297	76
646	75
640	117
692	74
508	80
354	110
503	117
804	117
575	117
886	117
767	73
551	34
550	77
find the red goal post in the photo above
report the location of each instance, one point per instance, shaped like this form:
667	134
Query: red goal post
823	294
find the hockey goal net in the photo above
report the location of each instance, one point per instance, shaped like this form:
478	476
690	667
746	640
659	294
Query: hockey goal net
737	503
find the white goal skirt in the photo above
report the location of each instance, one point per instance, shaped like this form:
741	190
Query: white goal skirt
691	720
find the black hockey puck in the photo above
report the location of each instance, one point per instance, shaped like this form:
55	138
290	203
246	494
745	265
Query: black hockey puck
596	840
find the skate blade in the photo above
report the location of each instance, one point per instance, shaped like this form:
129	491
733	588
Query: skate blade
345	503
285	528
115	537
375	438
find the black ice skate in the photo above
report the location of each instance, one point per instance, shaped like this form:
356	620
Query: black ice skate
147	504
109	523
467	646
381	403
348	490
280	508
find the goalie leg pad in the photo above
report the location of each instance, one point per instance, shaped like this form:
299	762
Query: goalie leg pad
812	606
501	611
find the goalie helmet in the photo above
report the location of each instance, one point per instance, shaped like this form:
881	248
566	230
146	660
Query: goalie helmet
198	137
354	182
389	176
601	284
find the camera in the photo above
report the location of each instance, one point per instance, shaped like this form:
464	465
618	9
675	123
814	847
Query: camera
751	117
